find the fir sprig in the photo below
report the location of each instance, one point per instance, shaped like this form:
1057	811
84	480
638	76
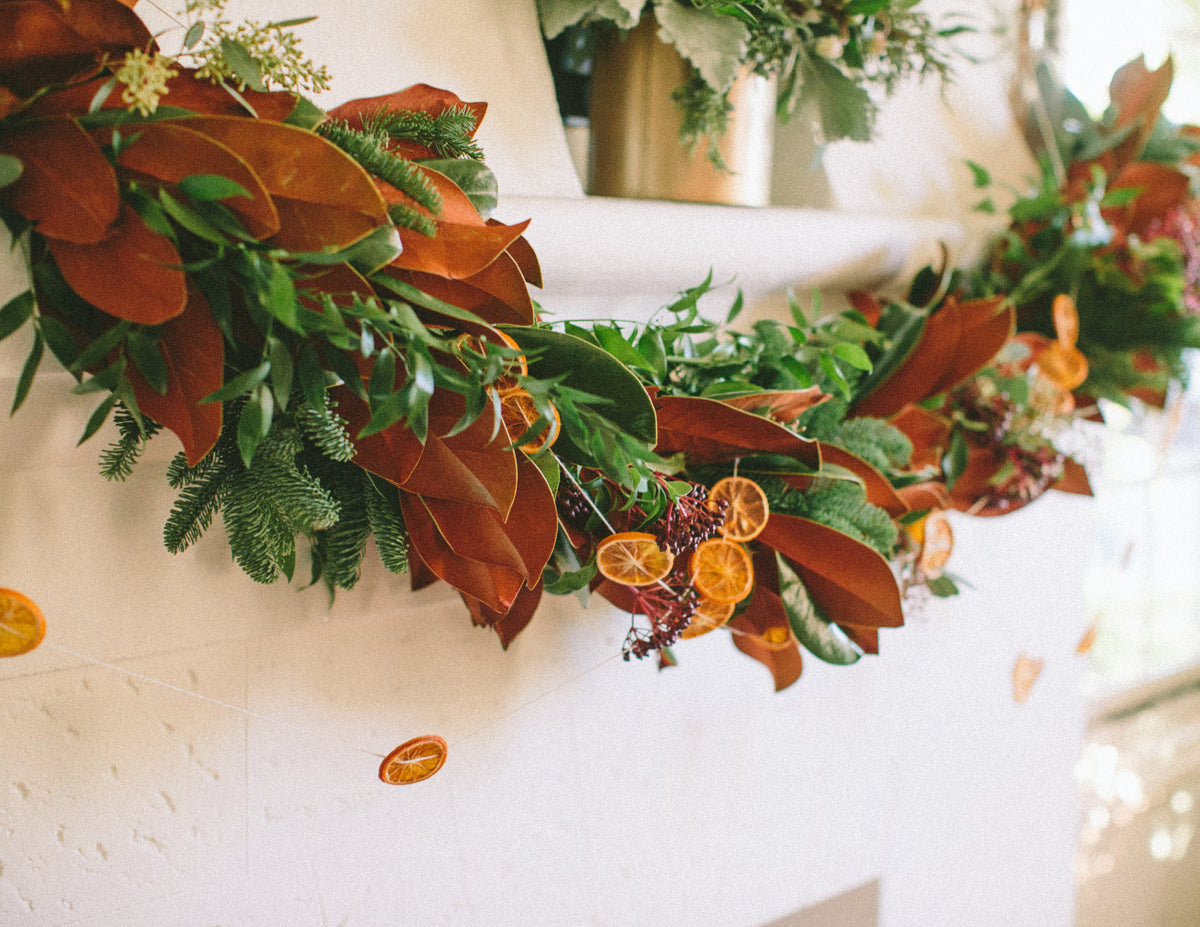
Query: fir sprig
447	135
369	149
118	459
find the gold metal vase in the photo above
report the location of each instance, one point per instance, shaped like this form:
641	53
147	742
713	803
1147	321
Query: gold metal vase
635	149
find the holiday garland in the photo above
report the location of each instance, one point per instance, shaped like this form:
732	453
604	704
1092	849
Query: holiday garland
317	306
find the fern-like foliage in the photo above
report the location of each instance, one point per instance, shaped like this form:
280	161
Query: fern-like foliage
838	504
117	460
202	489
447	135
338	549
875	441
324	428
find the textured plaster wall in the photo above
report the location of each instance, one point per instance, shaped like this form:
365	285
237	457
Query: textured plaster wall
579	789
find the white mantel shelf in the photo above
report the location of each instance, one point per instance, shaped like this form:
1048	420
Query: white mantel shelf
647	250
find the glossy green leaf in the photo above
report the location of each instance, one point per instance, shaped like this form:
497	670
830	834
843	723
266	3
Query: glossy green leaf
10	170
28	370
473	177
211	187
254	422
241	384
194	34
15	313
820	636
98	417
146	356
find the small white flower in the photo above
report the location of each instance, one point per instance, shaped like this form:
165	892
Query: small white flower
830	46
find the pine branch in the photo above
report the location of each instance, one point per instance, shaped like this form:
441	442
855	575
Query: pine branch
391	536
117	460
369	150
199	500
875	441
447	135
326	430
338	550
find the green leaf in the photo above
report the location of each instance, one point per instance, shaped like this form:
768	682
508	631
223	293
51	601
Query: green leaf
852	354
241	384
58	340
714	45
593	370
282	372
245	67
957	456
306	114
98	417
845	108
820	636
146	356
100	347
194	34
614	343
281	297
11	169
1122	196
980	175
254	422
211	187
27	372
942	586
15	313
312	376
474	178
190	219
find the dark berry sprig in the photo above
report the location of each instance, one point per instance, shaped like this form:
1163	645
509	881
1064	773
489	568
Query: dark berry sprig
689	521
668	607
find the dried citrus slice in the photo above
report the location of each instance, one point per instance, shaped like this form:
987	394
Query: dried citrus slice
414	760
1066	320
22	624
513	368
937	541
708	616
722	571
776	637
633	558
746	507
519	413
1066	368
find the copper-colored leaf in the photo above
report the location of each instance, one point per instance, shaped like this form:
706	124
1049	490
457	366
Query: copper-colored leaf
325	200
779	404
67	186
512	622
194	353
984	326
921	496
848	580
497	294
928	432
867	304
1162	187
522	542
168	152
522	252
495	586
132	276
865	637
460	249
762	632
1074	479
44	42
1138	95
713	432
419	98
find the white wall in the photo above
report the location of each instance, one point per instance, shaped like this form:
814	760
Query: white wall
579	789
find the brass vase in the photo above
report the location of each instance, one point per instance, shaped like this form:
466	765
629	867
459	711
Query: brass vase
635	149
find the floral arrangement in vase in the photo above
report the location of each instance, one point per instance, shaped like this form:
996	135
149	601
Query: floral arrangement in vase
318	308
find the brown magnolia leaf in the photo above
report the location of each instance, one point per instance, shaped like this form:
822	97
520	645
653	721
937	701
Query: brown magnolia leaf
325	201
194	353
67	186
419	575
392	453
1074	479
419	98
867	304
167	152
522	542
866	638
341	282
762	632
522	252
1162	187
497	294
849	581
472	466
510	623
49	42
782	405
9	102
494	586
132	276
1138	95
928	432
709	432
984	327
921	496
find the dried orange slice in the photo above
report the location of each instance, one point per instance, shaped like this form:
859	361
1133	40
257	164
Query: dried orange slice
1066	320
776	637
633	558
519	413
516	367
747	510
414	760
937	541
708	616
22	624
1066	368
722	571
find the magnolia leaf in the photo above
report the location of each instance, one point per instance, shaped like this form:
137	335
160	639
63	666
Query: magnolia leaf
715	45
781	405
762	632
845	108
193	353
133	275
497	294
813	630
507	624
494	586
66	186
848	580
324	200
586	367
709	431
474	178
